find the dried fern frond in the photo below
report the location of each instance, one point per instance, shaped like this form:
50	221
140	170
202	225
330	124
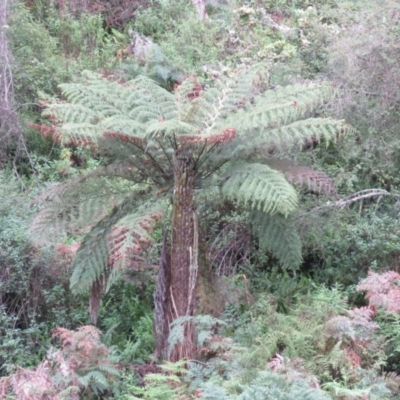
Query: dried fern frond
314	180
382	290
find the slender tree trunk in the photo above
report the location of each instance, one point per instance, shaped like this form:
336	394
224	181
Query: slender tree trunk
175	294
10	128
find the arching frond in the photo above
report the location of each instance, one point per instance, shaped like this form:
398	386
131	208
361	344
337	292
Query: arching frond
306	132
263	142
278	235
282	106
74	113
71	207
118	236
71	213
260	187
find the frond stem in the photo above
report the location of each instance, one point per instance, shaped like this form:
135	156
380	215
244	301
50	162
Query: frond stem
199	156
215	169
165	152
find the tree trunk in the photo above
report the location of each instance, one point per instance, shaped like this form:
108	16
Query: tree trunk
175	292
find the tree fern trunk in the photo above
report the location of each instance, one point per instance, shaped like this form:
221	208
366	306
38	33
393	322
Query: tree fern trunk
181	272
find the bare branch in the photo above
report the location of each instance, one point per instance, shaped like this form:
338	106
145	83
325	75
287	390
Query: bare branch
358	196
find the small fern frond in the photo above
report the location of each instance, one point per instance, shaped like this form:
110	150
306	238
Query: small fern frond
260	187
96	380
205	325
278	235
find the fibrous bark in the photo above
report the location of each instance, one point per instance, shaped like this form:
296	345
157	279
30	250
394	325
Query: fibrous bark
175	292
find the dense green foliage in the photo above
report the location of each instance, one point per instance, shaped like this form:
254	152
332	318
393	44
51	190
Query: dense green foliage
301	332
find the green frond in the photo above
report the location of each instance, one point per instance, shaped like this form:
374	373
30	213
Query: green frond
217	103
282	106
313	180
170	128
98	94
108	241
278	235
70	207
74	113
309	131
122	124
312	94
70	212
152	101
260	187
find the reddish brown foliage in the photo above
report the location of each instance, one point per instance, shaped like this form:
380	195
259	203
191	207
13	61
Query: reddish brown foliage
123	137
196	90
67	252
137	241
225	136
45	130
80	352
382	290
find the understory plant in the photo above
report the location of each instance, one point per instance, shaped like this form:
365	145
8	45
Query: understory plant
320	349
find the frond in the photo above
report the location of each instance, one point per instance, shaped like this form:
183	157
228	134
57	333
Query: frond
152	101
307	132
260	187
283	106
70	207
278	235
117	237
210	107
170	128
125	242
74	113
71	212
100	95
313	180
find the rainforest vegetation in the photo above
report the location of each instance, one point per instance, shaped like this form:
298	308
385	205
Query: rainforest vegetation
199	199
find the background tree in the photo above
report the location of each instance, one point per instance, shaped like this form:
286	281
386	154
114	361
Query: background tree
171	155
10	129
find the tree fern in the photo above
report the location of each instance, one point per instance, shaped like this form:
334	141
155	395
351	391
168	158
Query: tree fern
165	149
